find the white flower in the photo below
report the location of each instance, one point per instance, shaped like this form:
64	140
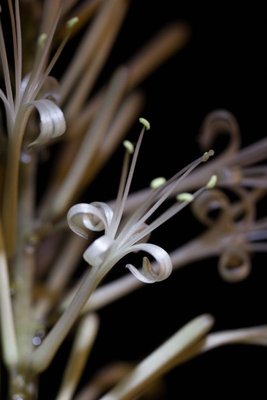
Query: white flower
125	235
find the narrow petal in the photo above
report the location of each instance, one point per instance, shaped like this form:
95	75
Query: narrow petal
150	273
52	121
95	217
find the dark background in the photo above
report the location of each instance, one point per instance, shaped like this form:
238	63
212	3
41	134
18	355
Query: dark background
223	66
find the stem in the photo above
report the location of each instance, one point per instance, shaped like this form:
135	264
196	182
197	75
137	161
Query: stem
22	387
23	384
59	276
10	195
24	262
44	354
82	346
9	343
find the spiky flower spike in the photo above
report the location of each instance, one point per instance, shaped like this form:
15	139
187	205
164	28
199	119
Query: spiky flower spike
123	236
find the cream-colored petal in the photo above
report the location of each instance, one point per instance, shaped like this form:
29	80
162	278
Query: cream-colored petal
95	216
148	274
52	121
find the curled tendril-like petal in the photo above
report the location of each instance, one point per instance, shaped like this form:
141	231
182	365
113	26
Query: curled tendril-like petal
234	263
52	121
151	273
96	253
220	121
216	200
96	216
208	201
50	89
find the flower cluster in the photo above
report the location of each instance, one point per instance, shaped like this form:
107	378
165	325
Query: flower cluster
122	237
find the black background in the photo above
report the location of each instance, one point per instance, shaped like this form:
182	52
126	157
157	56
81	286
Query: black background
223	66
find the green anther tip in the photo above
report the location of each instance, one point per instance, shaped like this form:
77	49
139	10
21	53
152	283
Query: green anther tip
128	146
212	182
42	39
157	182
72	22
188	197
145	122
208	154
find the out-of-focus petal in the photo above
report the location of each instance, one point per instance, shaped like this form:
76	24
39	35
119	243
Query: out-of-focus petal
234	264
52	121
209	201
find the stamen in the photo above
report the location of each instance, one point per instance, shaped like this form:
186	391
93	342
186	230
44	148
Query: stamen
154	201
118	212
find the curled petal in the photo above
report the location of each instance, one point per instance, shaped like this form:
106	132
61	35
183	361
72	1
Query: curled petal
208	202
155	272
241	211
96	216
96	253
234	264
220	121
52	121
